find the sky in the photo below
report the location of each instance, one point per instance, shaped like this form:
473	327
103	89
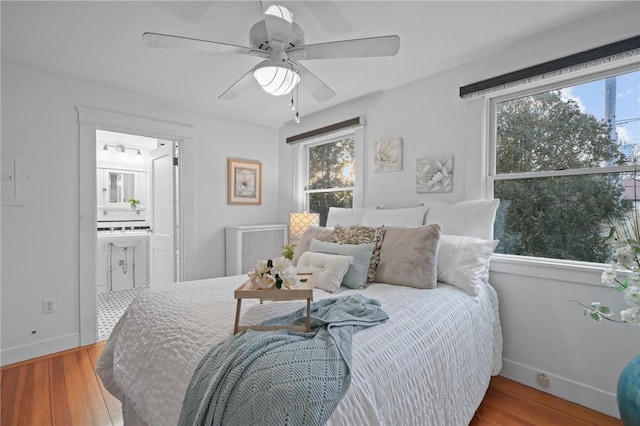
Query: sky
591	98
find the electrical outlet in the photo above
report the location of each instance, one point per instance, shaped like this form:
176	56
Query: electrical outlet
48	306
543	380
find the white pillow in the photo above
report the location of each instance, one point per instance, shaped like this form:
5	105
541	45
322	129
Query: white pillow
471	218
464	261
344	217
327	269
410	216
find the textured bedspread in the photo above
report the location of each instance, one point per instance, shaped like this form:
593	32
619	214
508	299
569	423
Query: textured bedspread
281	377
430	363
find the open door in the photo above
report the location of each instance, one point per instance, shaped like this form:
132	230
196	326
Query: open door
162	247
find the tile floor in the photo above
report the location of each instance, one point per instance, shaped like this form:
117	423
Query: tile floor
111	306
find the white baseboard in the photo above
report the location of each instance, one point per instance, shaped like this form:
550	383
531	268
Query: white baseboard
580	393
34	350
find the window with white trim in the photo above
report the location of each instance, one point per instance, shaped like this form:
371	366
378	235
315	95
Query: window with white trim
329	174
563	162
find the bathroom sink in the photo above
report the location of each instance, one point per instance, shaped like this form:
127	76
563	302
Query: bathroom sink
123	239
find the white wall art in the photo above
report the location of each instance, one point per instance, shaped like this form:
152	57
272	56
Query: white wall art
388	155
434	174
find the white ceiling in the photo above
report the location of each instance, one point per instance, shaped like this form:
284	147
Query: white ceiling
100	43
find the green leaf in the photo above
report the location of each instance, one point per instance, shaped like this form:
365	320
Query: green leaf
269	263
605	310
595	316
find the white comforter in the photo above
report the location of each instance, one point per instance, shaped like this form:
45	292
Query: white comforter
429	364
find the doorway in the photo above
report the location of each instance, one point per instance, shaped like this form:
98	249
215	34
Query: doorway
171	141
137	198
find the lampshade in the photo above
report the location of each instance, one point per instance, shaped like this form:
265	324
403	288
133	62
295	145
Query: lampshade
299	222
276	78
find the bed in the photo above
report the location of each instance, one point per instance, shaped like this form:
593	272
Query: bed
430	363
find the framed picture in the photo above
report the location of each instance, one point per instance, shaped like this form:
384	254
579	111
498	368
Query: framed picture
245	181
434	174
388	155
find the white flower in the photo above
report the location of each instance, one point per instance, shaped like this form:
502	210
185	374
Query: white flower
264	282
262	266
632	295
626	257
289	278
631	315
609	275
280	264
634	279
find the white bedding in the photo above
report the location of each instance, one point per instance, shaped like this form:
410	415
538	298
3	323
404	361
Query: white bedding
430	363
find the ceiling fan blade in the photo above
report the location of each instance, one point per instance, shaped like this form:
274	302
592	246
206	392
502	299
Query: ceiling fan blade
312	84
186	43
239	86
356	48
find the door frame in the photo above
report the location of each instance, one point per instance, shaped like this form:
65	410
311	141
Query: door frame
90	120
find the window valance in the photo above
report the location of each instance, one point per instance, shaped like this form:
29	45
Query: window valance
612	52
352	123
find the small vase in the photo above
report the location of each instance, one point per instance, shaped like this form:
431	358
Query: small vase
628	393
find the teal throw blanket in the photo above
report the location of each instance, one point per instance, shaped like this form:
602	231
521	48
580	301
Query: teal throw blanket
281	377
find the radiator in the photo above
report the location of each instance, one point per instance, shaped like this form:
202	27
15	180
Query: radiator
246	244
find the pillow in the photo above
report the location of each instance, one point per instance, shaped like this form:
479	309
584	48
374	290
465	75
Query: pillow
464	261
410	216
362	235
328	269
471	218
317	232
409	256
344	217
356	276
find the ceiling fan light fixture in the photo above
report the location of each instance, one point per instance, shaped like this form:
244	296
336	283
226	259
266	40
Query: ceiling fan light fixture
276	79
280	11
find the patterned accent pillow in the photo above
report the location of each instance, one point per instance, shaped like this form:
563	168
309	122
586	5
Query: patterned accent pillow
357	234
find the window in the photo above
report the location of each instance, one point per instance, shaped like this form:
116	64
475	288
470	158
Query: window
564	165
329	174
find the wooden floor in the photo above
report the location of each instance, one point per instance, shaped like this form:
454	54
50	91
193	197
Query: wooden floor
63	389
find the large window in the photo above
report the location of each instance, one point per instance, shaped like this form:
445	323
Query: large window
564	166
329	175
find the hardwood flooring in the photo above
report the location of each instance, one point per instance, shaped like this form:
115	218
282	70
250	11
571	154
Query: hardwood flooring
63	390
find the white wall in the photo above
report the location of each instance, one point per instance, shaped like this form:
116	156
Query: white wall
541	331
40	240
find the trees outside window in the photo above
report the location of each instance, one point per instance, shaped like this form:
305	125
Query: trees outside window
561	176
330	176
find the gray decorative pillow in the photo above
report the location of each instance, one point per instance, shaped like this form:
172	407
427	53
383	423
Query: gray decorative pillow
362	235
317	232
409	256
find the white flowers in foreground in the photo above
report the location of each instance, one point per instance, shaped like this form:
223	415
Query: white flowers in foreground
626	253
273	273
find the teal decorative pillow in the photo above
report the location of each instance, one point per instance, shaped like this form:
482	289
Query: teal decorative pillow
356	276
357	234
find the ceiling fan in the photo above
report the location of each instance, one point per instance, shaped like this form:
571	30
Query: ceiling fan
280	42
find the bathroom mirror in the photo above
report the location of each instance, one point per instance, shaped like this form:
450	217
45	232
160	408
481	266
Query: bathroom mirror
122	187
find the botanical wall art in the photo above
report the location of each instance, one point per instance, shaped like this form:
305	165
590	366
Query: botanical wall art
434	174
388	155
245	181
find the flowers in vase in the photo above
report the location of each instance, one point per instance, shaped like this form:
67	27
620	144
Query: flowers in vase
273	273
